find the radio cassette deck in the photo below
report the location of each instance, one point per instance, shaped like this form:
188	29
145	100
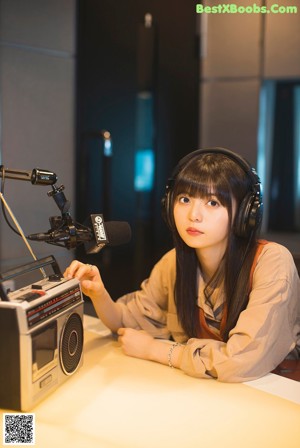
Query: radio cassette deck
41	331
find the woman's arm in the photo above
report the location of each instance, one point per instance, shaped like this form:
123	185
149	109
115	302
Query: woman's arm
136	343
92	286
145	309
261	339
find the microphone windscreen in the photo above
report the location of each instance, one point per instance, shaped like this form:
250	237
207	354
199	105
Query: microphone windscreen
118	232
110	233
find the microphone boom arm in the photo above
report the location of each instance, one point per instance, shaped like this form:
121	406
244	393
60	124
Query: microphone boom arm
64	232
64	224
94	235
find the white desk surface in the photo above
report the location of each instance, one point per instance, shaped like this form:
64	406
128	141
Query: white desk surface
115	401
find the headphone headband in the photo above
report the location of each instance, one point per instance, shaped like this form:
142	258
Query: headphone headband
243	163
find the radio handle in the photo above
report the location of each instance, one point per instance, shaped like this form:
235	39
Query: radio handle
28	267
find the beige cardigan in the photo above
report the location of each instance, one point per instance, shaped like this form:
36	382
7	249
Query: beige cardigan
266	332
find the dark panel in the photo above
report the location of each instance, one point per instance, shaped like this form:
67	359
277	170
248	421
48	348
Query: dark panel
107	89
282	200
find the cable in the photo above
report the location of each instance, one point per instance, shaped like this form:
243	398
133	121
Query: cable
21	233
3	204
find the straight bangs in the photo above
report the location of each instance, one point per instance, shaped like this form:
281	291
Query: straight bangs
202	181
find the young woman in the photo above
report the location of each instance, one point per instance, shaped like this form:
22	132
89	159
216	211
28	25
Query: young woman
229	302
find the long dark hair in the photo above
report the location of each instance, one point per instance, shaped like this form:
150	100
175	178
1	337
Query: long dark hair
205	174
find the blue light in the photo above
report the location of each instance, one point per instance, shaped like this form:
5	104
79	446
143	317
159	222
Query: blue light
265	131
265	142
144	170
107	147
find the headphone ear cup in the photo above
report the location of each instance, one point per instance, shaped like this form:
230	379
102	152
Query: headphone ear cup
242	217
248	216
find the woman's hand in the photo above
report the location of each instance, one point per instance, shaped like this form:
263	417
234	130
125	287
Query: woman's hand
136	343
89	277
140	344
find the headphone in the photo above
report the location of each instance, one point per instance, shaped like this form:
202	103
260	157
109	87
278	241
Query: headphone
249	214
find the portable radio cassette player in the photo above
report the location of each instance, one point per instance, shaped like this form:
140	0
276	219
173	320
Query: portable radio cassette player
41	335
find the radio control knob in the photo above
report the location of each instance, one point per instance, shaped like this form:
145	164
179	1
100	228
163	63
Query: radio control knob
54	278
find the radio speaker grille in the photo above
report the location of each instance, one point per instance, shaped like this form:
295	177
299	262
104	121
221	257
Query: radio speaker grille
71	344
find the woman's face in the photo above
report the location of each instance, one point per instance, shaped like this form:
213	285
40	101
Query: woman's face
202	223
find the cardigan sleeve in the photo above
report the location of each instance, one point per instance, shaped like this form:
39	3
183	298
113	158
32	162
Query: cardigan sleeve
266	331
147	308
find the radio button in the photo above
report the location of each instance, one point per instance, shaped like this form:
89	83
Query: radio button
36	286
45	381
54	278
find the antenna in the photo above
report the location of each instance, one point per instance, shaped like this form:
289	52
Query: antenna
21	232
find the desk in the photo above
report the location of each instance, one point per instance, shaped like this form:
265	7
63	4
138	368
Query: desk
115	401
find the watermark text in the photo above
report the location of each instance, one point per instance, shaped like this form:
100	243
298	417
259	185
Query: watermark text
233	8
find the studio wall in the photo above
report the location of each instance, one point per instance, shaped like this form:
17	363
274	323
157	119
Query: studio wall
244	60
37	102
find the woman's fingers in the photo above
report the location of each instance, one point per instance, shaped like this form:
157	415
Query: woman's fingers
80	270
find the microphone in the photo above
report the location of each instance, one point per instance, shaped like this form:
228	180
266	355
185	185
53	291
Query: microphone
43	177
37	176
95	234
110	233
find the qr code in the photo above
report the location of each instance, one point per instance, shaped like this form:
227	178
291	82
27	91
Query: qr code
18	429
